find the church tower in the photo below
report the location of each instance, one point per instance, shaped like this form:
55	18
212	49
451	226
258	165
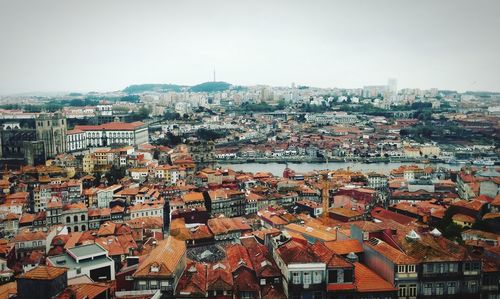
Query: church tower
51	129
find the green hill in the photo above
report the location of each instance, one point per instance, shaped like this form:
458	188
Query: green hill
138	88
210	87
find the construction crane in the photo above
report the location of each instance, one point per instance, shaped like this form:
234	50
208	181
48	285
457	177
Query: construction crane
326	186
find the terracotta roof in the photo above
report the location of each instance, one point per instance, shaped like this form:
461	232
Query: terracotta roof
193	281
295	252
44	273
193	196
463	218
330	258
381	213
219	276
85	291
391	253
315	233
8	290
237	257
368	281
29	236
226	225
112	126
106	229
262	260
344	247
164	257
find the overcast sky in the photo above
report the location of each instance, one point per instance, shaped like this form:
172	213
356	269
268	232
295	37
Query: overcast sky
106	45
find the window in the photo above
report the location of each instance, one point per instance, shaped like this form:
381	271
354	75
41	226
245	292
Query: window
262	282
468	266
34	243
332	276
472	286
427	289
316	277
401	268
153	284
402	290
340	276
68	219
411	268
307	278
348	275
476	266
129	277
428	268
439	288
412	290
452	288
453	267
296	278
442	268
82	217
142	285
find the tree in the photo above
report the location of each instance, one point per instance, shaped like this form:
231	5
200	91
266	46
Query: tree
209	135
115	174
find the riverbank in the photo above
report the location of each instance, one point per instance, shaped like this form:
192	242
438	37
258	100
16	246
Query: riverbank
276	168
308	159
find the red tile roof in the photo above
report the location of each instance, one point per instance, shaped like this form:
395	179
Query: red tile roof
344	247
368	281
44	273
193	281
112	126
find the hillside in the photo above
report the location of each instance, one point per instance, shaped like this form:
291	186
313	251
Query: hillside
138	88
210	87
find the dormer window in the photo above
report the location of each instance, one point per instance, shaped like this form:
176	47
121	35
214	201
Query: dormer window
155	268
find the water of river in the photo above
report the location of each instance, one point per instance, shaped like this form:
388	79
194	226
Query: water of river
277	168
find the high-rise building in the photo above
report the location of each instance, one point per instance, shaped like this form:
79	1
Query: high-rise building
392	85
51	129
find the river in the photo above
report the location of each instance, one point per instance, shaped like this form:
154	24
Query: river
277	168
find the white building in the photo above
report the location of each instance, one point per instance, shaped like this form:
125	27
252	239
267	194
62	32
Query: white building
134	133
91	260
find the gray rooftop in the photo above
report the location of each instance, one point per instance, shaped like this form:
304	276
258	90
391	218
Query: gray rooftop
85	250
65	260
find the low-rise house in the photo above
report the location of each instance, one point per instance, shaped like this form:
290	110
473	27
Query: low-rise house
91	260
75	217
219	280
162	268
42	282
304	273
393	265
193	282
28	241
229	203
228	229
244	278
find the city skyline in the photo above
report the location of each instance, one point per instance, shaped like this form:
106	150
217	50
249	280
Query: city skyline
88	46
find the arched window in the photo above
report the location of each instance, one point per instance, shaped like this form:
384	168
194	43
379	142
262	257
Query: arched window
76	228
83	228
68	219
83	217
75	218
69	229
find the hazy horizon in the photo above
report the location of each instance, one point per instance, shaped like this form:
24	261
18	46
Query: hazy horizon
69	46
